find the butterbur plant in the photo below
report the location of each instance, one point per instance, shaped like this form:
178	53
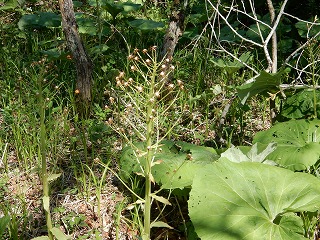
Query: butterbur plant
147	96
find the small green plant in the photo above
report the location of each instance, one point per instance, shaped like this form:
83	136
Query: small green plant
147	99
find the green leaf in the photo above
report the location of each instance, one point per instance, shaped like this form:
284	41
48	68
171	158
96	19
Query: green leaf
59	234
160	224
4	221
178	162
297	143
265	82
144	24
46	203
251	201
86	25
161	199
42	19
53	177
41	238
301	104
234	154
232	66
113	8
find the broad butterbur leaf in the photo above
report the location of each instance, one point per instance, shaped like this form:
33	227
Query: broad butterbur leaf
237	154
250	201
265	82
297	143
301	104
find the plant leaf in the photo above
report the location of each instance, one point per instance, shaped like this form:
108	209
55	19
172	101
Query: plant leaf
161	199
265	82
53	176
297	143
46	203
41	238
145	24
59	234
179	161
250	154
301	105
4	221
160	224
251	201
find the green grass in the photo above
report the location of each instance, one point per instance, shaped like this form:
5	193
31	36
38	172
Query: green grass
87	198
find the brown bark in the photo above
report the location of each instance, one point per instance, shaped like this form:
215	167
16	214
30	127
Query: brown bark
79	55
175	30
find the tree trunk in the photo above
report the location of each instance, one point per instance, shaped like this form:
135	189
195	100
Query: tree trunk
175	30
79	55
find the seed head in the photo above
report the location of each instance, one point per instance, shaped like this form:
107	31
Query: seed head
130	57
172	67
171	86
136	50
111	99
139	88
153	48
148	61
144	51
162	73
130	80
121	74
163	66
133	68
136	58
77	91
157	94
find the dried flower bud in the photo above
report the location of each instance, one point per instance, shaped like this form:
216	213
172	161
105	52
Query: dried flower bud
106	107
157	94
179	82
162	73
136	50
167	60
172	67
136	58
153	111
130	80
121	74
140	89
152	100
126	84
163	66
77	91
148	61
171	86
130	57
118	83
111	99
154	48
117	78
133	68
129	106
144	51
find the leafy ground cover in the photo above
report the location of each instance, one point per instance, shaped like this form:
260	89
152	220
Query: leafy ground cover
215	137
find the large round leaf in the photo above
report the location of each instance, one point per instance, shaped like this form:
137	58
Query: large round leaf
297	143
251	201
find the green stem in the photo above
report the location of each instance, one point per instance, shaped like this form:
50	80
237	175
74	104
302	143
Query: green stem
149	140
44	172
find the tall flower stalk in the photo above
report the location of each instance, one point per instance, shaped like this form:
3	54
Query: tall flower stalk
147	99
